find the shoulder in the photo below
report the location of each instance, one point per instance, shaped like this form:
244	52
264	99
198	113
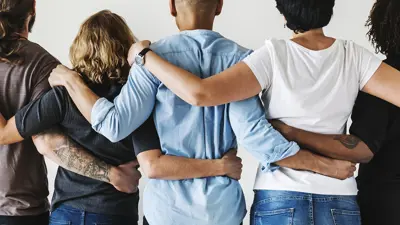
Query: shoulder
352	47
274	46
214	44
33	49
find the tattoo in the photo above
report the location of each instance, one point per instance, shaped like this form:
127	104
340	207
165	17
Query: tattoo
349	142
74	158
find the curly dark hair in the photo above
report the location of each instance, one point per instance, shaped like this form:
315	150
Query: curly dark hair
305	15
384	26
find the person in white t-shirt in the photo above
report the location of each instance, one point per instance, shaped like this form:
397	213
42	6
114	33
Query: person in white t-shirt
309	82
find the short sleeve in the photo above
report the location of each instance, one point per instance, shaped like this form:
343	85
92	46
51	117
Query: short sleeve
370	120
261	63
367	64
146	138
40	80
43	113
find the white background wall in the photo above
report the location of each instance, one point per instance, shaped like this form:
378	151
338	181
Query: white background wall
249	22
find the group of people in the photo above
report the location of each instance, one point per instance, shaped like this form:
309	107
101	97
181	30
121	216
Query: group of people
179	107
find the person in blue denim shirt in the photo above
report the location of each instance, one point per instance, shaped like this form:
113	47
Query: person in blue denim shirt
186	130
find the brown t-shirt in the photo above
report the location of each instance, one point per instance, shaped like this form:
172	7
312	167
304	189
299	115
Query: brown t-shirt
23	174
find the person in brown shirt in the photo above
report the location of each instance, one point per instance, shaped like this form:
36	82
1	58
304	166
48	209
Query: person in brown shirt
24	70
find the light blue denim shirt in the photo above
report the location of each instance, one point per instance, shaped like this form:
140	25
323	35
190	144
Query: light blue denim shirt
193	132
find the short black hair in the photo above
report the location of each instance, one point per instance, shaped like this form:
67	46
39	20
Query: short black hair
305	15
384	26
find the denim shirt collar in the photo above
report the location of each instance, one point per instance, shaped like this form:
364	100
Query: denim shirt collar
201	32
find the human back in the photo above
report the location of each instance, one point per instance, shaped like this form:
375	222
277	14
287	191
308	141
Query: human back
24	69
204	53
318	77
99	53
319	92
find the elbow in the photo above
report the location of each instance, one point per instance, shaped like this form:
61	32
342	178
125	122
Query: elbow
113	137
365	158
199	96
4	140
198	99
150	170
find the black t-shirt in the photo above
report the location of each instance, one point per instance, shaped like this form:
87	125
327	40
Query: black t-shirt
57	108
377	123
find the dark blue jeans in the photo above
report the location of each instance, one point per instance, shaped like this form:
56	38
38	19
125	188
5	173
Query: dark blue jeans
294	208
42	219
66	215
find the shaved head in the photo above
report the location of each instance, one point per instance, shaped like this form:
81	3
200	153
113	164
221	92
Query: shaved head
201	7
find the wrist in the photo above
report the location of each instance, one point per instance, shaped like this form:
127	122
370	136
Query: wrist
322	164
291	133
219	167
113	175
73	82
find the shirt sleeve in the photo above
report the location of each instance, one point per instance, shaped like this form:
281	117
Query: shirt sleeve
260	63
42	114
40	81
370	121
146	138
256	134
367	64
130	109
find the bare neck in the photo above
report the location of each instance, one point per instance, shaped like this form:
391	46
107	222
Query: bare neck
194	22
313	39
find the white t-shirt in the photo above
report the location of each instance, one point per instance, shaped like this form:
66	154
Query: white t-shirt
313	91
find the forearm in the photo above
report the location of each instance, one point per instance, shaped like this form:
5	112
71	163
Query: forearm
179	168
83	97
183	83
342	147
305	160
67	154
8	132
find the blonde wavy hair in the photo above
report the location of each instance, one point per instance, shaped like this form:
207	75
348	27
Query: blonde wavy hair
100	50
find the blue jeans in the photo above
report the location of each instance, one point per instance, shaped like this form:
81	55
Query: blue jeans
66	215
295	208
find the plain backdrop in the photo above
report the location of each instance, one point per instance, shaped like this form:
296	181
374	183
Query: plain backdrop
249	22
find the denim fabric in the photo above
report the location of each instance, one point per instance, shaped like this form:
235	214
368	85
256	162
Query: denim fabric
42	219
193	132
66	215
295	208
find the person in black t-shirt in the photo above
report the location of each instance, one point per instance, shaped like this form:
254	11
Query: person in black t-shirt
99	53
377	123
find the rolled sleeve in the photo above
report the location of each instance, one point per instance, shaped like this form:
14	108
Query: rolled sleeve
130	109
256	134
370	121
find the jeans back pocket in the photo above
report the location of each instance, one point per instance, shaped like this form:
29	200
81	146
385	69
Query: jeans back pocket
346	217
274	217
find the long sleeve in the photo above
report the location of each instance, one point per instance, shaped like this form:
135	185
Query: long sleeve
130	109
256	134
42	114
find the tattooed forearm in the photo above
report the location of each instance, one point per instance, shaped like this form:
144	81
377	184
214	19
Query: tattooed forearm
69	155
75	159
349	142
